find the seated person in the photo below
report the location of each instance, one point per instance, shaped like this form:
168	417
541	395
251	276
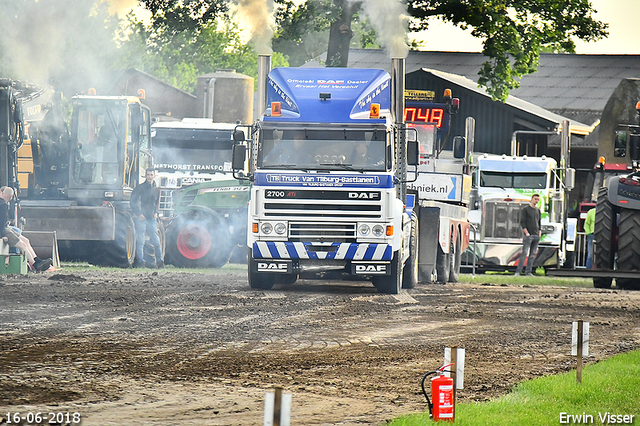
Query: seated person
16	239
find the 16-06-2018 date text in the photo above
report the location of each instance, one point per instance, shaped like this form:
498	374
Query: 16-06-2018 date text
38	418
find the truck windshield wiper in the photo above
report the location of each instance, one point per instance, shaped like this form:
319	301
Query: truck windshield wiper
284	166
344	167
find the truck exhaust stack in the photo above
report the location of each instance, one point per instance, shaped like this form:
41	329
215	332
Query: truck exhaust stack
264	66
397	90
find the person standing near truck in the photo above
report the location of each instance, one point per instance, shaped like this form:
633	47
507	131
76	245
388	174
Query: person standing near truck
589	227
145	200
530	223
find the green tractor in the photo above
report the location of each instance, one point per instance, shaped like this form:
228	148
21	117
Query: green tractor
210	224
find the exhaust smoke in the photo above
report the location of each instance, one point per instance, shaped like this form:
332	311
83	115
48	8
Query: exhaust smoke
256	18
390	20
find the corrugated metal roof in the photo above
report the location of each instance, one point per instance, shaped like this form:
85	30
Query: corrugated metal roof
584	81
576	126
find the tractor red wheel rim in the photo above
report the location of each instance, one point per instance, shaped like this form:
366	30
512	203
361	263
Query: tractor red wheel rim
193	242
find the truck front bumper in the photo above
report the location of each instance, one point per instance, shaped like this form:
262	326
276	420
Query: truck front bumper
321	251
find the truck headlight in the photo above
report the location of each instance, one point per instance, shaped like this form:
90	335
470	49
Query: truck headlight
547	229
266	228
378	231
280	228
363	230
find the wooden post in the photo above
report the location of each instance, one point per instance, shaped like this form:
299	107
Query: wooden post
277	406
580	342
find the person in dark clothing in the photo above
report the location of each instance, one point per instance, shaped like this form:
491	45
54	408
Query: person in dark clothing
530	223
145	199
12	235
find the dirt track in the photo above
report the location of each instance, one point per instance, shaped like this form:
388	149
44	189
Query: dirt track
173	348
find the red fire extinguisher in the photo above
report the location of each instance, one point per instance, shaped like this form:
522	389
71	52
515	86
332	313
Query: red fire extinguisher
442	394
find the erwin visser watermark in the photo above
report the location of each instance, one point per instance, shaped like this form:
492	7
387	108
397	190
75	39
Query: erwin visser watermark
600	418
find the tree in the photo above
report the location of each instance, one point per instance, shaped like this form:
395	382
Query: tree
513	31
179	45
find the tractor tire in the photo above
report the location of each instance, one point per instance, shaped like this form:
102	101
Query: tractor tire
259	281
603	256
410	273
456	259
629	247
198	239
390	284
121	252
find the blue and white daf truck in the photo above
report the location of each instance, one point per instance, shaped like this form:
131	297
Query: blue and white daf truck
328	164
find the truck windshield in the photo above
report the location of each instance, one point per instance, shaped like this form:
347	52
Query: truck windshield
99	129
513	180
330	149
192	150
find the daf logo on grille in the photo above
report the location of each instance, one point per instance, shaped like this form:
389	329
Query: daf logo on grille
364	195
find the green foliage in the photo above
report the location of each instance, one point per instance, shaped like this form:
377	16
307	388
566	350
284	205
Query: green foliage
609	386
178	58
514	32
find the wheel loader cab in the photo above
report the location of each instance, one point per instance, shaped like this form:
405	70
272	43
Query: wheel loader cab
110	146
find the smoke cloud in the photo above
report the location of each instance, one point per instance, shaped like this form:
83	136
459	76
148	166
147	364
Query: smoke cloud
256	18
45	40
391	21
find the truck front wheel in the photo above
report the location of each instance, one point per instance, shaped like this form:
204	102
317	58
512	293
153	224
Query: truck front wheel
260	281
390	284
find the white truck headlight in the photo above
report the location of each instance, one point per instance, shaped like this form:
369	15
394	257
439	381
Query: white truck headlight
280	228
378	231
266	228
363	230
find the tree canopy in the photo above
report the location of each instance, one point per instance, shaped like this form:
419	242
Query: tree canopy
513	32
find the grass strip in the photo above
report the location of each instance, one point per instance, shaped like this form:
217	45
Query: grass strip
609	388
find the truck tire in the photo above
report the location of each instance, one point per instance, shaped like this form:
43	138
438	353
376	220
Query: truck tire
629	247
410	273
603	255
390	284
121	252
443	265
198	239
456	259
256	280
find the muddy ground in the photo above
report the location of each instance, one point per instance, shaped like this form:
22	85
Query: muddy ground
143	347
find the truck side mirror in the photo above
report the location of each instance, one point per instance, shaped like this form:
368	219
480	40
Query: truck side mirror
238	156
459	147
413	153
620	144
634	147
238	136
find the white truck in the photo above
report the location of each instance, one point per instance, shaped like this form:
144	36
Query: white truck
503	185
